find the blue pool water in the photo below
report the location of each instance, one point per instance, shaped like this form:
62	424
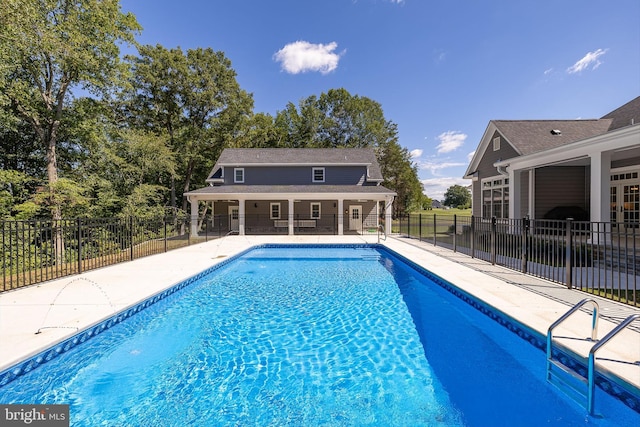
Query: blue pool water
339	336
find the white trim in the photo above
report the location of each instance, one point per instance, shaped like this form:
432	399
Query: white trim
271	205
311	205
313	174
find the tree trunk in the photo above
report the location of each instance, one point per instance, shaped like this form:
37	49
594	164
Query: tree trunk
187	182
56	209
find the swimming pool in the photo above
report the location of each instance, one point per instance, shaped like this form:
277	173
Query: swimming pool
308	336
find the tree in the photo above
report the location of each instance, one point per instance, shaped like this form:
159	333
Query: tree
457	196
335	119
47	49
339	119
193	98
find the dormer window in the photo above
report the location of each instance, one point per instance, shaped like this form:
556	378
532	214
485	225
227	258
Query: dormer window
318	175
238	175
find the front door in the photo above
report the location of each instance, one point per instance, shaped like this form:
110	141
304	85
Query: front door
355	218
625	205
234	218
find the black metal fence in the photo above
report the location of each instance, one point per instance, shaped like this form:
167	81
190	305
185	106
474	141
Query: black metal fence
595	257
38	250
35	251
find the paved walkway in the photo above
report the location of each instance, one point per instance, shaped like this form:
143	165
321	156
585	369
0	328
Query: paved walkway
36	317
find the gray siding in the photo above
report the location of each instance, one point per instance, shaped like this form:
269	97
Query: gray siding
297	175
486	169
561	186
506	151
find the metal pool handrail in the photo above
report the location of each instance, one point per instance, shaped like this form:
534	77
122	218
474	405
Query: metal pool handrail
594	322
592	357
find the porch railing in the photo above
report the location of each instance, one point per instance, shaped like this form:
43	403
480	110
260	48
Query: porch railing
596	257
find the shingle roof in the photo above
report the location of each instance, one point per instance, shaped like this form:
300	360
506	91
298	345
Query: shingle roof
300	156
532	136
626	115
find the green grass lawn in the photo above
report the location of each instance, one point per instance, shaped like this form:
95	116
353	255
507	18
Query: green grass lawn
458	212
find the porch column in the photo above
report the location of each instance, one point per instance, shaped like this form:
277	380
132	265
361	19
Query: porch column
600	186
340	217
194	215
241	214
532	193
291	214
600	208
515	194
387	214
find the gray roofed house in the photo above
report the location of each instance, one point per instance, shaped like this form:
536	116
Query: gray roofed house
301	190
536	167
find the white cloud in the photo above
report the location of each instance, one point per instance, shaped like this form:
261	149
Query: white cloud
436	187
470	156
450	141
591	58
302	56
548	71
435	166
415	153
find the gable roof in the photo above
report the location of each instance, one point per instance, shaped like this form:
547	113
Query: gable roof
531	136
534	136
300	156
626	115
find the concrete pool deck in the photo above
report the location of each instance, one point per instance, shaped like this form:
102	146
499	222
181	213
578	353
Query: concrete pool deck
36	317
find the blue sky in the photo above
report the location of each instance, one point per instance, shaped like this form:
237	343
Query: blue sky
440	69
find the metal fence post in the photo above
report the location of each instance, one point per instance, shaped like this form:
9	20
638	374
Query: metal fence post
79	227
568	254
131	238
420	227
525	244
435	237
494	228
455	233
473	237
164	220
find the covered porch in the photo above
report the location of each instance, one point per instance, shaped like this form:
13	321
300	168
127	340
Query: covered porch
600	175
290	211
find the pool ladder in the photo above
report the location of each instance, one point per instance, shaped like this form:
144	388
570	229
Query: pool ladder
563	375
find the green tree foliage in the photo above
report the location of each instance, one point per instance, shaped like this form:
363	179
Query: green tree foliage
47	49
193	98
338	119
457	196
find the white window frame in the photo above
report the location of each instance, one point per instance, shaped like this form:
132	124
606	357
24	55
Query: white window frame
311	206
279	208
496	143
491	184
313	175
235	175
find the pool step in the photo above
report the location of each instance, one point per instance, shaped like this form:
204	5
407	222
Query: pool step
567	380
371	257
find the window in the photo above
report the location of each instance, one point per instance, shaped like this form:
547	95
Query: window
318	175
238	175
275	210
495	198
315	210
496	143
